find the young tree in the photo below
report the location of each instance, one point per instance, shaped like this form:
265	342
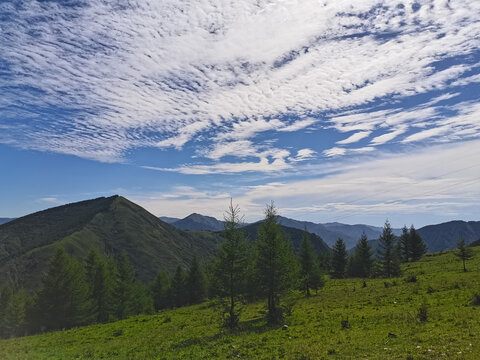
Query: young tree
6	294
418	247
362	261
275	263
124	288
405	244
63	300
464	253
230	267
339	259
308	264
15	314
388	252
196	285
161	291
178	287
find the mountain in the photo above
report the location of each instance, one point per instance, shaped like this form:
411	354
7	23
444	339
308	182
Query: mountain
445	236
330	232
199	222
295	236
112	225
5	220
168	219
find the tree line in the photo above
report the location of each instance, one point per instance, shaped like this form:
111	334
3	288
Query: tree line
105	289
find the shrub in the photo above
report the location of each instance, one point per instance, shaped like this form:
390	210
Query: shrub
345	324
422	314
411	279
476	299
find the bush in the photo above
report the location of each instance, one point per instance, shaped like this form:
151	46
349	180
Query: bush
422	314
476	299
345	324
411	279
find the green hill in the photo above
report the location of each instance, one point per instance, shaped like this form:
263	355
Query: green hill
343	321
295	236
111	225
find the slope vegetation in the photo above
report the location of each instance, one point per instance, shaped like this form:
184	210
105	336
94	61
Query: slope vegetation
343	321
111	225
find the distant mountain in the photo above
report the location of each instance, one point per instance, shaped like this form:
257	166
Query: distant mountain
5	220
295	236
199	222
168	220
112	225
445	236
330	232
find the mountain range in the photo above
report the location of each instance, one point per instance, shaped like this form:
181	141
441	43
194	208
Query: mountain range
5	220
437	237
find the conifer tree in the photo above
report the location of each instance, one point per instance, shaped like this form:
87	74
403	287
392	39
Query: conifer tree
6	293
63	300
361	262
405	244
178	287
308	265
388	252
339	259
15	314
418	247
464	253
196	285
231	264
161	291
275	263
124	289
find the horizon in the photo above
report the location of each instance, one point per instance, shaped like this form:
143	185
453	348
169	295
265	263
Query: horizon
338	112
254	219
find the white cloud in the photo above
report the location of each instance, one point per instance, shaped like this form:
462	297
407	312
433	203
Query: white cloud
355	138
163	73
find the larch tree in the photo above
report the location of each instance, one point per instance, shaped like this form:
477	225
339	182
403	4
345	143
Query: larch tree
230	266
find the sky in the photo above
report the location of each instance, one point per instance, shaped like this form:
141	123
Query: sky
348	111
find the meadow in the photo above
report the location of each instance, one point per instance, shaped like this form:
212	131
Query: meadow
427	313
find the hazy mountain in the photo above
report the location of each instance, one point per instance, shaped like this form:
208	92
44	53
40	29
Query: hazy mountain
330	232
5	220
199	222
295	236
445	236
111	225
168	220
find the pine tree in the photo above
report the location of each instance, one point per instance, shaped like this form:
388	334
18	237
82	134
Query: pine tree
101	281
363	255
464	253
339	259
124	288
388	252
405	244
196	285
161	291
63	300
307	263
231	264
275	263
418	247
178	287
6	294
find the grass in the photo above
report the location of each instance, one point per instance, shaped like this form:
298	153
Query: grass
383	323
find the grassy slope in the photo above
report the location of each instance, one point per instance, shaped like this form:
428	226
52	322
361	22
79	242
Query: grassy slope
314	332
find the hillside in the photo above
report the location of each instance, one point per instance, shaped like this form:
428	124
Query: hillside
111	225
168	219
380	321
295	236
198	222
446	235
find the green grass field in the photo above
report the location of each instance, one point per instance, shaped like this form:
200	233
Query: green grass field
383	307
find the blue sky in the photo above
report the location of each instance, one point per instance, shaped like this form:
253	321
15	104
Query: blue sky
336	110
